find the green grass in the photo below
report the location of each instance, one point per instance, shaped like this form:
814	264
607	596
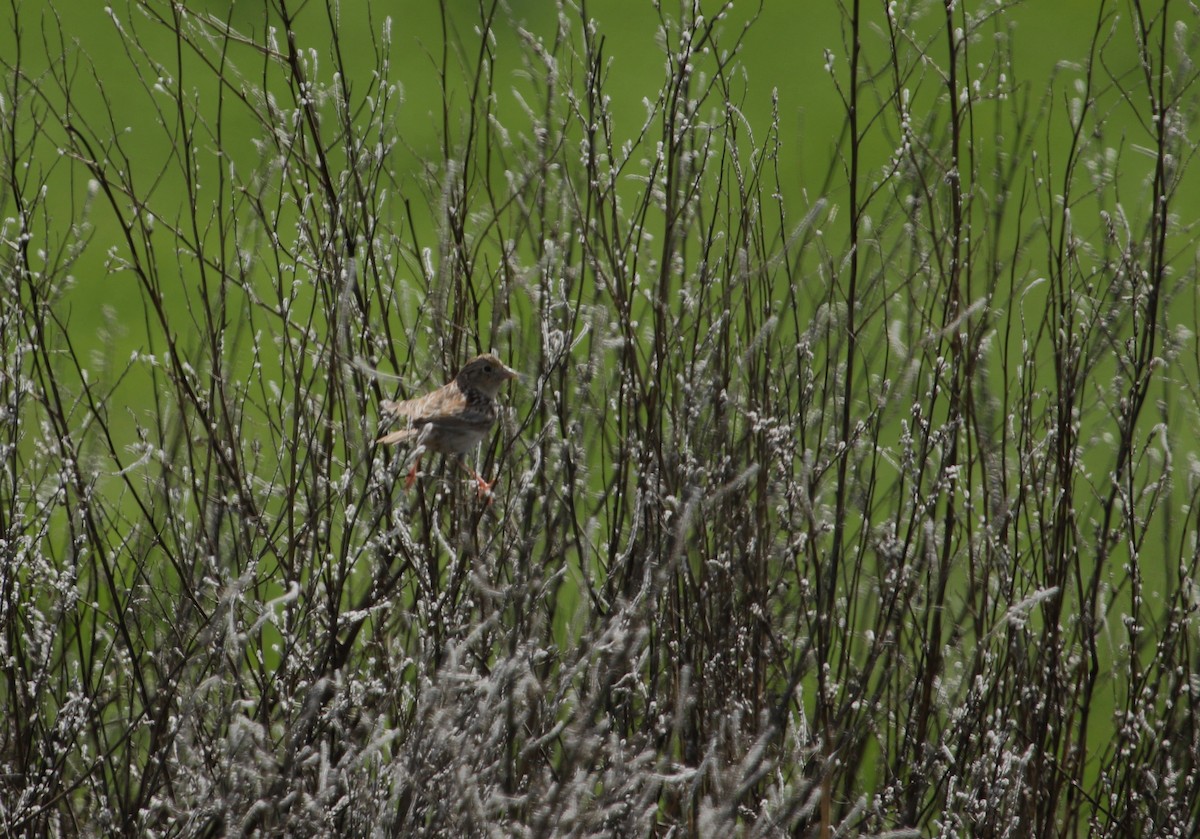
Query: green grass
847	488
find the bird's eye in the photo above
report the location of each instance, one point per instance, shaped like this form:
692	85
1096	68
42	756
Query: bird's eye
487	368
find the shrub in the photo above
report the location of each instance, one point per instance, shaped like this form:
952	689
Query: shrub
847	511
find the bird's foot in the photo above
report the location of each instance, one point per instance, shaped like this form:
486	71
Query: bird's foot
485	490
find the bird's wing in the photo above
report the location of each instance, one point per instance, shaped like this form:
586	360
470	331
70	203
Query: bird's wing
412	410
442	408
468	420
408	408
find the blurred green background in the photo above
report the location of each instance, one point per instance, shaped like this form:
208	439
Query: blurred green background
782	68
783	52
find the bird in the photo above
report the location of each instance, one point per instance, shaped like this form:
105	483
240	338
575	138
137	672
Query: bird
454	418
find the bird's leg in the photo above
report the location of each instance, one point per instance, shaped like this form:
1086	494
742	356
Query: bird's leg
485	488
412	474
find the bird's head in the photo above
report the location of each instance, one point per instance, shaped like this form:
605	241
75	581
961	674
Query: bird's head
486	373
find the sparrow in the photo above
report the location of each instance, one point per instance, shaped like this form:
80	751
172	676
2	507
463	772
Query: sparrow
454	418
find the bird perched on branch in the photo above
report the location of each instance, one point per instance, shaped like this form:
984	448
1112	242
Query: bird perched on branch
454	418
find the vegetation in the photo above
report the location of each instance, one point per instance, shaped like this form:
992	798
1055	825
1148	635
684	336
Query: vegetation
867	509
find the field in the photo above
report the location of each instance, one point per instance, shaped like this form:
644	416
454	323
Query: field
849	487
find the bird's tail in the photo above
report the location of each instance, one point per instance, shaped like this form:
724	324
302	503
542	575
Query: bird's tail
397	436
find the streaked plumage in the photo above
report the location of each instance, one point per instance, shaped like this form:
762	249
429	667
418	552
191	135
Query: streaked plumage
454	418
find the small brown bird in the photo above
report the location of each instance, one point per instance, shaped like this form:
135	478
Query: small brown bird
454	418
